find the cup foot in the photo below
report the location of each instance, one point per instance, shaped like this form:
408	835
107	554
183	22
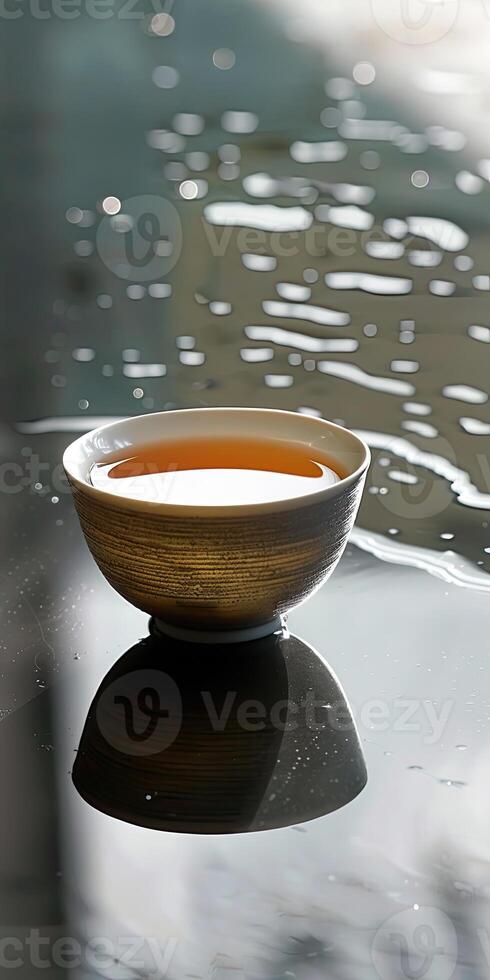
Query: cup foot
160	627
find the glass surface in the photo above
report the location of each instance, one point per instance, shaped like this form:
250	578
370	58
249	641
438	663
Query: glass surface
253	204
401	651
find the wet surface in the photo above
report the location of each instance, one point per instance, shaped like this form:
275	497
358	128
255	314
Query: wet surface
333	249
413	679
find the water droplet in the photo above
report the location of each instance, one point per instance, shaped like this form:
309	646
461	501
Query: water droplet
420	178
224	58
364	73
111	205
162	24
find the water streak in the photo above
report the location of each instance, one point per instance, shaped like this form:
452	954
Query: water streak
83	354
279	380
239	122
264	217
329	151
144	370
287	338
395	227
192	358
259	263
459	480
405	367
67	423
465	393
351	372
399	476
265	185
475	427
254	355
220	308
445	234
368	129
420	428
417	408
385	250
302	311
345	216
369	283
424	259
446	566
468	183
442	287
293	292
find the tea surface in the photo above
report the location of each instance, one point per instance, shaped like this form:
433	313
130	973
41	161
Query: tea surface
215	471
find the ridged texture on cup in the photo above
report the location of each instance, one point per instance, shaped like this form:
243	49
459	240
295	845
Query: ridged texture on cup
219	572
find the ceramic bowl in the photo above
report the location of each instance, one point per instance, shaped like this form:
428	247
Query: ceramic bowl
212	568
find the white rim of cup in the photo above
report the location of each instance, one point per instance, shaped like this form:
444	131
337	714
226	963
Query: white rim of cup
121	503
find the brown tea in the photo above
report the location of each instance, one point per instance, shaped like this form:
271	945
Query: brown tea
215	471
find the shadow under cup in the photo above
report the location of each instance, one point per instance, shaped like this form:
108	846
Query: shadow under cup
218	569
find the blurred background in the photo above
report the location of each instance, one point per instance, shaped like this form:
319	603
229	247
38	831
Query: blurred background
250	202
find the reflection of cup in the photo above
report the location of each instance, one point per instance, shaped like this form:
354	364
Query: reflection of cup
218	568
227	739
